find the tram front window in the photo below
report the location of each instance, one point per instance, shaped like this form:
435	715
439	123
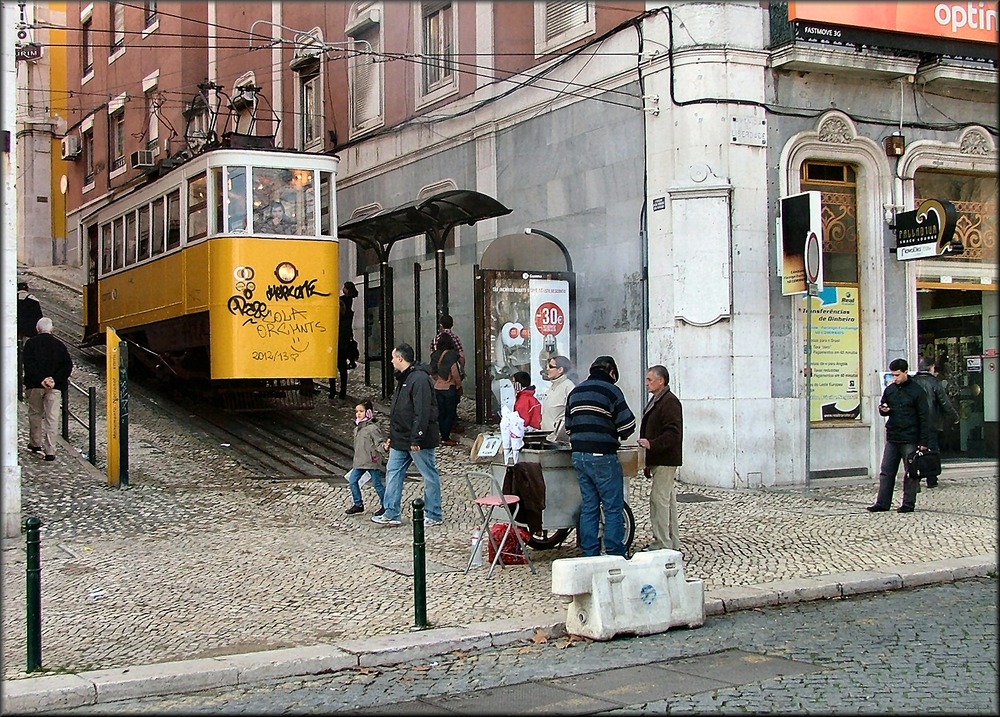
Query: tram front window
284	201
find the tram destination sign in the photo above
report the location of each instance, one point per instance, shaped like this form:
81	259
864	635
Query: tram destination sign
927	231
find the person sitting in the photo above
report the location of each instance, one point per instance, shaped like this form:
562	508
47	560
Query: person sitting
525	404
277	221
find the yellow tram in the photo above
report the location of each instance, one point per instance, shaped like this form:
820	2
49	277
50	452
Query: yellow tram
224	268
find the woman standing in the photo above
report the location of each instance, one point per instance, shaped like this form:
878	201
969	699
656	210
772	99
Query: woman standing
447	383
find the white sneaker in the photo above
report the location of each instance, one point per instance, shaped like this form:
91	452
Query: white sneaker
430	522
386	520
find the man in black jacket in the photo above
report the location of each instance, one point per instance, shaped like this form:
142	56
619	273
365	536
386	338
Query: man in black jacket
47	366
906	430
29	311
937	406
413	438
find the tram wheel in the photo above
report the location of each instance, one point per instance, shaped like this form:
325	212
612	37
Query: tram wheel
546	540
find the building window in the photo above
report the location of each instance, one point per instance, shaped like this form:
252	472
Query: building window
437	46
152	106
87	47
561	22
116	143
88	156
151	14
364	67
117	25
311	111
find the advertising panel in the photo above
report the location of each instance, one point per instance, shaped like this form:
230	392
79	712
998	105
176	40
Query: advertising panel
836	354
965	21
526	320
800	217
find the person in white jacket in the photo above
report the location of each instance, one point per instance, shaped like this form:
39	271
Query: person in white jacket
554	402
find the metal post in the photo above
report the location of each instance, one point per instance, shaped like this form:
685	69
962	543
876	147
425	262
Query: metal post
419	566
33	592
809	333
64	399
92	418
123	413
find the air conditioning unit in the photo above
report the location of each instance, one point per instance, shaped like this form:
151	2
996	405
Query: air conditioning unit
71	147
142	158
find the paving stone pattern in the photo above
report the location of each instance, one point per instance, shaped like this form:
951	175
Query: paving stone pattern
930	649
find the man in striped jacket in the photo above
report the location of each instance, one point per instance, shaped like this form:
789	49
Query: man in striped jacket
597	418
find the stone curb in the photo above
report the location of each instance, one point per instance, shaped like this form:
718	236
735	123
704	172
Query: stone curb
60	692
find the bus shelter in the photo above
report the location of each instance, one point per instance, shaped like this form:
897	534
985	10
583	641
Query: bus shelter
434	216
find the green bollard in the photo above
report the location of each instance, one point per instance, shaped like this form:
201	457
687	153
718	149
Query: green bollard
33	593
419	566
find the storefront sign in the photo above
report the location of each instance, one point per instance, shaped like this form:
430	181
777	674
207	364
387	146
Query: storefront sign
30	52
836	355
927	231
967	21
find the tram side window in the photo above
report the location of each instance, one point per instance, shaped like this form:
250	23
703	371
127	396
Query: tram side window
236	195
143	232
158	226
106	248
326	204
130	238
217	226
173	219
118	253
197	207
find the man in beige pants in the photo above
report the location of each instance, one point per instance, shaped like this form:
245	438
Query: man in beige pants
47	366
661	433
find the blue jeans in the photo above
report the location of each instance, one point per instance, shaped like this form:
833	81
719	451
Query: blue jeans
447	401
601	484
395	470
355	475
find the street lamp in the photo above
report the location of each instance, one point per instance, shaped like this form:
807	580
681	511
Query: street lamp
554	240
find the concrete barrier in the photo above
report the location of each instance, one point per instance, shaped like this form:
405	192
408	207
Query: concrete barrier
608	594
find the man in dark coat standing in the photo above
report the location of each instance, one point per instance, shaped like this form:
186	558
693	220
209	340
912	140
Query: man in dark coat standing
937	406
47	366
413	438
29	311
661	433
906	431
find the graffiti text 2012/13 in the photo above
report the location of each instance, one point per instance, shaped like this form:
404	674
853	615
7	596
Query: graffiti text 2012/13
282	292
274	355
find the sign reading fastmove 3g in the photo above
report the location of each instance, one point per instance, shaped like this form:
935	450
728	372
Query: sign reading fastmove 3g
928	230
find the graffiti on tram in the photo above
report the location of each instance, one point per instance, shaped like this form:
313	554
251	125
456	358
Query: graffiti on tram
281	326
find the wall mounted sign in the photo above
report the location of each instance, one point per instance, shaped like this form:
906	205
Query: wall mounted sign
928	230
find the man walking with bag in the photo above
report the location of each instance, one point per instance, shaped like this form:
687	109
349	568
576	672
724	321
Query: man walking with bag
47	366
937	406
662	435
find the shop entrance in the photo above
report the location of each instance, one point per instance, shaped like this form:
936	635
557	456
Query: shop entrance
953	326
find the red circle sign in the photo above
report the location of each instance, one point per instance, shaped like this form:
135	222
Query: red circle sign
813	258
549	319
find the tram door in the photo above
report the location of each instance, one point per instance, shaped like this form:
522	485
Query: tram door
90	295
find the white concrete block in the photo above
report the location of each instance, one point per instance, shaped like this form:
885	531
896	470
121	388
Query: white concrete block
41	694
163	678
288	662
645	595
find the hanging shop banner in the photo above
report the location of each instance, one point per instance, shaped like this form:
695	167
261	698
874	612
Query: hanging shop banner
801	217
836	354
526	320
927	231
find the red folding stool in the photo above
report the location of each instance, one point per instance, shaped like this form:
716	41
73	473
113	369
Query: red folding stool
489	499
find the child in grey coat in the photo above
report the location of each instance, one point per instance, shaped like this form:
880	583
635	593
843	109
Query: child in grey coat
369	449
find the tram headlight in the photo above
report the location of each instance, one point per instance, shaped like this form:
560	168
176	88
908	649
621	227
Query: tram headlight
286	272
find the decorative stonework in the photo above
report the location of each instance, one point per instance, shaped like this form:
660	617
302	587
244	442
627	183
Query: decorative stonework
835	130
975	142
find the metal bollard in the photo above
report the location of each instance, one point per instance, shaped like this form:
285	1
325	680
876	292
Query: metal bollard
419	566
64	400
33	592
92	418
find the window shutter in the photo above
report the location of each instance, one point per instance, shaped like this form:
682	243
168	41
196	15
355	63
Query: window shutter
563	15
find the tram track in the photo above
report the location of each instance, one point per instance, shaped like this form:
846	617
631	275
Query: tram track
277	445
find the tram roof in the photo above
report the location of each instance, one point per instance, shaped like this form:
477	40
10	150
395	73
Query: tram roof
438	212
